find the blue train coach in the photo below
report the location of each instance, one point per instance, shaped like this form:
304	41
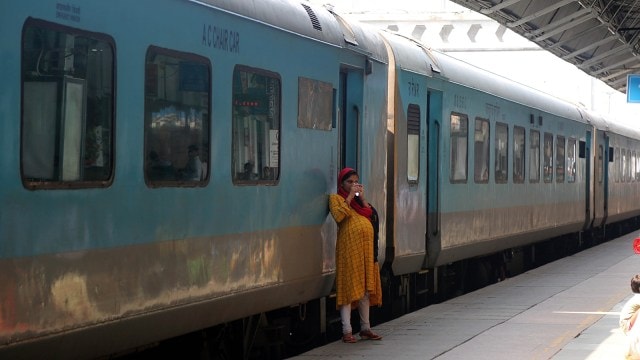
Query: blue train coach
166	164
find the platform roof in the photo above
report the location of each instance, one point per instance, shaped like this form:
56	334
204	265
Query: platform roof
600	37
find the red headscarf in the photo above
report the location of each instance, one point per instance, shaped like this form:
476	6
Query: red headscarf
356	204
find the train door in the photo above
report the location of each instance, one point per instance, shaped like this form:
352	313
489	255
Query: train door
433	155
608	157
585	153
599	184
350	114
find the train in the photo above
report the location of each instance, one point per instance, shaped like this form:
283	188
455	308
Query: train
167	166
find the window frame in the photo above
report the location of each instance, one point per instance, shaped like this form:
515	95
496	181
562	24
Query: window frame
572	168
478	175
274	178
203	147
535	151
548	166
63	79
452	163
523	153
501	179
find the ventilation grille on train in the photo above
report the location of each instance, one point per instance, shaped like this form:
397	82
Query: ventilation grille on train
413	119
314	19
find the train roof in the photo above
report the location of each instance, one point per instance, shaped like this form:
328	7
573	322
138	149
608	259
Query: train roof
596	119
409	54
305	19
601	123
463	73
414	56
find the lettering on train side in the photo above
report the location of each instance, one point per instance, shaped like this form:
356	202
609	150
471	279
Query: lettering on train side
460	102
220	38
414	88
67	11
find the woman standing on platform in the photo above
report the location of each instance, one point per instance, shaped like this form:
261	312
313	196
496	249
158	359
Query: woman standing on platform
357	272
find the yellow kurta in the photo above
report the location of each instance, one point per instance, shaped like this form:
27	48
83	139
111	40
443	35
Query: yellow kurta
355	270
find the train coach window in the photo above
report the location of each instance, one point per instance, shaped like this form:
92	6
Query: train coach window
626	157
623	163
176	118
560	159
636	167
501	153
627	172
481	151
67	107
413	143
632	166
548	158
256	126
571	160
534	156
616	165
458	148
518	154
600	163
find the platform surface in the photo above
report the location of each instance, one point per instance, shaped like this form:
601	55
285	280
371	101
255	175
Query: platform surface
564	310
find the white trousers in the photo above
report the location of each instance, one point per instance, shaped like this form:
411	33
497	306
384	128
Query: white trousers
363	310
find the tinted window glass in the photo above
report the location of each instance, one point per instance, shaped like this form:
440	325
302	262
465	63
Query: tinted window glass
548	157
458	148
600	163
518	154
534	156
560	159
256	126
571	160
501	153
67	112
177	92
615	166
481	151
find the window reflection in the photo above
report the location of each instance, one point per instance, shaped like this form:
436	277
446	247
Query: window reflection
256	125
67	116
518	154
481	151
534	157
501	153
458	148
177	92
